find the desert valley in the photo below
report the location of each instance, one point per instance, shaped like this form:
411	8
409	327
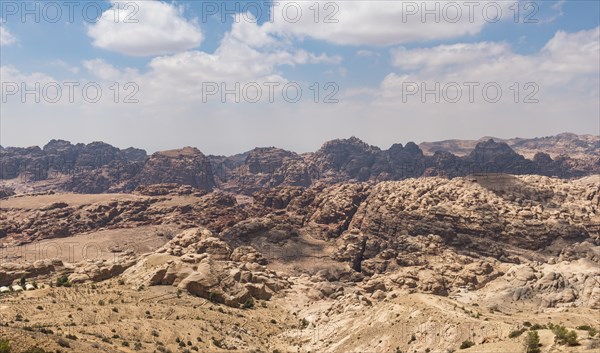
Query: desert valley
470	246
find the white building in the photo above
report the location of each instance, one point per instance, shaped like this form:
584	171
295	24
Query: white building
29	286
17	288
4	289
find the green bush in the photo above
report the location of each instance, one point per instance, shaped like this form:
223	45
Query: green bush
249	303
564	336
4	346
532	342
591	330
538	327
516	333
63	281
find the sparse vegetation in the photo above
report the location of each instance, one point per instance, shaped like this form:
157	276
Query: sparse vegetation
63	281
4	346
249	303
516	333
532	342
591	330
563	336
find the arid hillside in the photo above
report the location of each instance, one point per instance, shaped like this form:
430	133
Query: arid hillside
426	264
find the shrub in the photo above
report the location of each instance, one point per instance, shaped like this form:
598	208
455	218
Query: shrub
532	342
591	330
4	346
516	333
564	336
63	281
249	303
538	327
466	344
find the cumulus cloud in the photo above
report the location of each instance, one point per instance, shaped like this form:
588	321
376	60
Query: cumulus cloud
246	54
566	65
6	38
145	28
383	23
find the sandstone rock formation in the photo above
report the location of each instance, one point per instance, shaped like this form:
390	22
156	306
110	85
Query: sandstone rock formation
99	167
186	166
205	266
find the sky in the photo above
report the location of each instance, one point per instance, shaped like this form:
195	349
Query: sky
228	76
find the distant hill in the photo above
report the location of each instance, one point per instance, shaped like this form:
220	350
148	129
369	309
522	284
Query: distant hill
99	167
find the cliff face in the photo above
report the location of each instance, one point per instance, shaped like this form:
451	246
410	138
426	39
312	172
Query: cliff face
98	167
186	166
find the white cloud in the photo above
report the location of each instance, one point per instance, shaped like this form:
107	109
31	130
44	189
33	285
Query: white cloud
6	38
446	55
158	28
245	54
382	23
567	64
558	12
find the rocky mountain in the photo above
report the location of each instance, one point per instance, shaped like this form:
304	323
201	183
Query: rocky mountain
62	157
186	166
565	144
487	250
99	167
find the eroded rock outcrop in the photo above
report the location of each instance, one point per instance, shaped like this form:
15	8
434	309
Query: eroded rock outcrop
205	266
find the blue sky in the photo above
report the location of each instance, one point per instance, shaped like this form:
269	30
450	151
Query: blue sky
373	53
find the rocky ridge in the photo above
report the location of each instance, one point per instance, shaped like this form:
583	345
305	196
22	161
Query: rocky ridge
101	168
